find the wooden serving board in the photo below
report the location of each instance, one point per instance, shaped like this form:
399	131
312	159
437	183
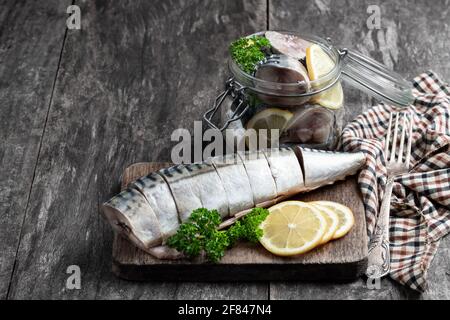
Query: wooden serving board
344	259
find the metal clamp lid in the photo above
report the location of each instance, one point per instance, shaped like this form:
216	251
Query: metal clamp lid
239	104
375	79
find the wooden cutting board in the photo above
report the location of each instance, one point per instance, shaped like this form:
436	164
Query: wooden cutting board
344	259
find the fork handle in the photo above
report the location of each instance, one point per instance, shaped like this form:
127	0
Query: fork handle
379	254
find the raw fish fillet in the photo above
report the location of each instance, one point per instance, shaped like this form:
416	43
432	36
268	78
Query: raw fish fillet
260	177
159	197
183	188
235	182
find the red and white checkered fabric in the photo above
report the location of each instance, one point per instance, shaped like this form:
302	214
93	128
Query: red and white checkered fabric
420	205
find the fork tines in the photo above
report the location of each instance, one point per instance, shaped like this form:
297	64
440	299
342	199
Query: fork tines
407	123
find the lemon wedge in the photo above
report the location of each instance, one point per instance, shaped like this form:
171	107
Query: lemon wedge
345	216
319	64
292	227
271	118
332	220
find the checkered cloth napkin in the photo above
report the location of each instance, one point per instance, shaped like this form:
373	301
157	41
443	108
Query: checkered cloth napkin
420	205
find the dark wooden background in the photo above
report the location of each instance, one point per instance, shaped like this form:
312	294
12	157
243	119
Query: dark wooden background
78	106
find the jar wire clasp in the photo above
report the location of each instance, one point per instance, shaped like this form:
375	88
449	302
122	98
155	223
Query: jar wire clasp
236	92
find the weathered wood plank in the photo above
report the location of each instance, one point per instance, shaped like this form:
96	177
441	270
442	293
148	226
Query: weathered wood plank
129	77
413	38
31	39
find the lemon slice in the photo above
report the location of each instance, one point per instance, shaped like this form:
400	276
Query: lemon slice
332	98
332	220
319	64
345	215
292	227
271	118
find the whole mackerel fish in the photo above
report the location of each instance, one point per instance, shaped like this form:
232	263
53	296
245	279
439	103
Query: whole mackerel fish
152	208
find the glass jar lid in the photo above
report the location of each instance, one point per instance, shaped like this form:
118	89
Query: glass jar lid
375	79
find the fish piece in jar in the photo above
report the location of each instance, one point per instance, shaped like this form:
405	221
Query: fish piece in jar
285	79
288	44
310	124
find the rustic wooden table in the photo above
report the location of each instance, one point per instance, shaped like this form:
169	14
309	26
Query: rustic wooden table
78	106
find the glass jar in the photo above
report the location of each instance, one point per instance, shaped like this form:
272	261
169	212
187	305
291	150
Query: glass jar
311	124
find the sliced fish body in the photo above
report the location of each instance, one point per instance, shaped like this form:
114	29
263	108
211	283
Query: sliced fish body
184	190
160	199
211	191
150	211
130	214
260	177
326	167
235	182
286	171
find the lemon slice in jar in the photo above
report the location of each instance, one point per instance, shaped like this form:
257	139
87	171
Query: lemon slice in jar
319	64
332	98
271	118
292	228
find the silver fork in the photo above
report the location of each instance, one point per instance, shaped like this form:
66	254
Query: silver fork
379	255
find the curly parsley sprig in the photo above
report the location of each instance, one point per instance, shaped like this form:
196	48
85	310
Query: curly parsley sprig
199	234
247	52
248	228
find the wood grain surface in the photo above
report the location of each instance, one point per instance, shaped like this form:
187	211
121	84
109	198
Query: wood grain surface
31	40
109	95
132	74
342	259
